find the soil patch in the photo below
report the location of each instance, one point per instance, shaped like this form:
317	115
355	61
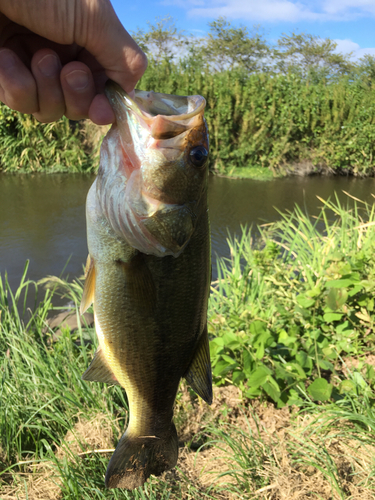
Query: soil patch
234	449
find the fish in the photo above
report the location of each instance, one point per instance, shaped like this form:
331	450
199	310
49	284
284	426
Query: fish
148	271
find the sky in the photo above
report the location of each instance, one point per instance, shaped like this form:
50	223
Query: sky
351	23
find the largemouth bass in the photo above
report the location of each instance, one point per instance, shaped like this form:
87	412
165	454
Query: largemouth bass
148	271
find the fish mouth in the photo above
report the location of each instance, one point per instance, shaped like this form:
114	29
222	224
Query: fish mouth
164	116
148	148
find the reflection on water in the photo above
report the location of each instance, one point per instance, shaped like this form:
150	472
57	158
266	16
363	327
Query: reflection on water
42	218
247	202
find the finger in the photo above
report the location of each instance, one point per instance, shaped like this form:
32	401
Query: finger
106	39
46	68
100	111
17	85
79	89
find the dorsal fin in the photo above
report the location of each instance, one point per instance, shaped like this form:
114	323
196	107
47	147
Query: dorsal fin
89	288
199	375
99	371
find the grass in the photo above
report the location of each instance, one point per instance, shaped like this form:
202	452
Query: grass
293	413
253	172
278	123
286	310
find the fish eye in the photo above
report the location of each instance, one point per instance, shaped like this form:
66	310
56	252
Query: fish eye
198	156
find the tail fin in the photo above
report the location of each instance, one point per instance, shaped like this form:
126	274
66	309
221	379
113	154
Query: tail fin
135	458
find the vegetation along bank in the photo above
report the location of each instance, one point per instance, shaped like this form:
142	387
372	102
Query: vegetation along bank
291	324
296	106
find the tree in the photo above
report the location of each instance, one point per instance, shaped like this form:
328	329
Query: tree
161	40
365	68
306	54
228	47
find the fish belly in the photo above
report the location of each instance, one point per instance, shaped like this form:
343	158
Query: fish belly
150	313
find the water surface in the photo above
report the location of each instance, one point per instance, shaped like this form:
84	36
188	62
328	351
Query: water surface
42	217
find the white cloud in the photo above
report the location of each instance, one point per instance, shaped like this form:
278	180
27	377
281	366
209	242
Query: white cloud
255	10
349	7
280	10
363	52
347	45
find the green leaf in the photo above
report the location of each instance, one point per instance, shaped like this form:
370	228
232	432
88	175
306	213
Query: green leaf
304	301
329	317
229	360
247	362
345	325
320	389
272	388
295	368
218	341
231	340
353	291
257	327
314	292
253	392
336	298
260	351
237	377
302	358
222	367
346	386
259	376
324	364
343	283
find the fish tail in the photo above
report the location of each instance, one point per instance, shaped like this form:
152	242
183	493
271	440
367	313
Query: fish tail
136	457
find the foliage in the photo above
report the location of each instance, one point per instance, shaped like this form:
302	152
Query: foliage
365	69
29	146
274	121
161	40
257	117
310	54
228	47
284	314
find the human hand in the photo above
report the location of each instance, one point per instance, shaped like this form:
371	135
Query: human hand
56	55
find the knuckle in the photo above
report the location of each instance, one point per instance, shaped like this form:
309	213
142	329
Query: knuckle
139	63
22	98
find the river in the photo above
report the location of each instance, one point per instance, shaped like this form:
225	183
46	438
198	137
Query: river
42	217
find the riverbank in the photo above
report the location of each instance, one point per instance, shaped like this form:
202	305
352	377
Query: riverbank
269	121
291	323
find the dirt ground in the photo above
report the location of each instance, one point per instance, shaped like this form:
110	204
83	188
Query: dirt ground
284	456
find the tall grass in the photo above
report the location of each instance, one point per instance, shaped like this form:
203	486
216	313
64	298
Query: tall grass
268	120
284	312
29	146
291	322
274	120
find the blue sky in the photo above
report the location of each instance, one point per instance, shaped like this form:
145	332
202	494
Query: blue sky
351	23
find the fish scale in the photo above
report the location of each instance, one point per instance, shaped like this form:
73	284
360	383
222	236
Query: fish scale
148	272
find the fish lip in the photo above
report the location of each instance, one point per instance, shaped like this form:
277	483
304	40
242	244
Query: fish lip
118	96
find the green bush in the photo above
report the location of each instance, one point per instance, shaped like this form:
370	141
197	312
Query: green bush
29	146
284	315
266	120
275	121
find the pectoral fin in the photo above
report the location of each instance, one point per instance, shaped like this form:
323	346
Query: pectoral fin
89	288
199	375
99	371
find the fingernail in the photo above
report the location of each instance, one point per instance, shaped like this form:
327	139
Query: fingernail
49	65
77	79
7	59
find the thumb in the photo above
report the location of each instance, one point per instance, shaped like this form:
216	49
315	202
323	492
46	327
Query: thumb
112	46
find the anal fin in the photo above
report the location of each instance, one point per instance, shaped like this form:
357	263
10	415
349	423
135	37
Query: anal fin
99	371
199	375
89	288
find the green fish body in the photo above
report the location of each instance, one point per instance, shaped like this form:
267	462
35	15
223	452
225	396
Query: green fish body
148	271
